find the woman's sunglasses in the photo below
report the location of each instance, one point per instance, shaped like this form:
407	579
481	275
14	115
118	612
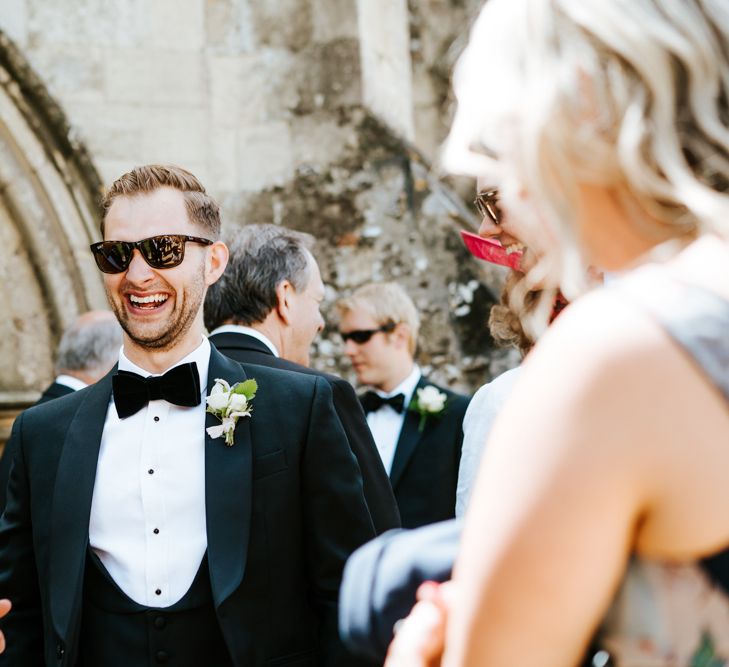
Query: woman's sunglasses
361	336
160	252
487	204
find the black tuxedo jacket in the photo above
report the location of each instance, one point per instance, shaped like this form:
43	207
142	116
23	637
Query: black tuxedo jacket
381	580
53	390
284	509
424	471
377	489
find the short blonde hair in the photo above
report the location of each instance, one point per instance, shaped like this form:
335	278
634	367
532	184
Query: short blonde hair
202	209
387	303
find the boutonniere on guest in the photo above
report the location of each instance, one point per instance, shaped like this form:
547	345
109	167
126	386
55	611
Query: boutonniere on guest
428	402
229	404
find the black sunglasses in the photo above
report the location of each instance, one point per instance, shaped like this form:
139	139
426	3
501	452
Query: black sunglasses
160	252
361	336
487	204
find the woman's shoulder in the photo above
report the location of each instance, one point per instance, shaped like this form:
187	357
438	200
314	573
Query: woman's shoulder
601	334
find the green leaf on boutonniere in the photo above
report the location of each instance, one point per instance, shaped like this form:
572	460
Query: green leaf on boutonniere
705	655
228	404
248	388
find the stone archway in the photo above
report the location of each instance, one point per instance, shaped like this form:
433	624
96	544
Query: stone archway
48	215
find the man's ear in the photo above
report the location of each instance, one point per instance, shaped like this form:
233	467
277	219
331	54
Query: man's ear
401	335
215	262
284	293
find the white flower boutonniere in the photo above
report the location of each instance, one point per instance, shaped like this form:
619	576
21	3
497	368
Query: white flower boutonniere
428	402
228	404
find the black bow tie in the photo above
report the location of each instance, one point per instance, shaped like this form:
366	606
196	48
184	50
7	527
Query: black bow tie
372	401
180	385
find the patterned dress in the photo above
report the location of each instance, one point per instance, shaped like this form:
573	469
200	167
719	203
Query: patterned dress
674	614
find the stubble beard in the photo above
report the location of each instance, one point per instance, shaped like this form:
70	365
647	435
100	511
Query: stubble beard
169	332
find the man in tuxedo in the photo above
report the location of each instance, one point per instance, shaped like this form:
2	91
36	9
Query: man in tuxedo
416	424
135	535
265	310
88	349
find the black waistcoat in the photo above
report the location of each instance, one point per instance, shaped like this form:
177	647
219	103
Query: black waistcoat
118	632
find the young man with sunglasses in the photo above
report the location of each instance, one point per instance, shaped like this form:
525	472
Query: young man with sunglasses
265	310
135	533
416	424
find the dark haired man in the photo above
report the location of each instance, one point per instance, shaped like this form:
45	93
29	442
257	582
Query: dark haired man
265	310
133	533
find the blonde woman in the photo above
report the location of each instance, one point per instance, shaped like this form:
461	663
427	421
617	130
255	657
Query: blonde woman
602	504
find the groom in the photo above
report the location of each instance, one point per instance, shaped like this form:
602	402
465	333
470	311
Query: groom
132	536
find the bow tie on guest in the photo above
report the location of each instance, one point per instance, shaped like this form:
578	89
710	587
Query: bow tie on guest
180	385
372	401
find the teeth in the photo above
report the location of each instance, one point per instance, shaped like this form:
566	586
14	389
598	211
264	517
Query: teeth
152	298
514	247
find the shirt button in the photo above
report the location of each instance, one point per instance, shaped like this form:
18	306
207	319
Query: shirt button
160	622
150	471
156	419
158	592
156	531
162	656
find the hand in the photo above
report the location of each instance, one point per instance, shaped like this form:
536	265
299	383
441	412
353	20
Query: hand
4	609
420	638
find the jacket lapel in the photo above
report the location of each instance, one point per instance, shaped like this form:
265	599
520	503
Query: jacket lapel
228	480
71	505
407	442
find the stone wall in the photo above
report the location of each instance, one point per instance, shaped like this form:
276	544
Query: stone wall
322	115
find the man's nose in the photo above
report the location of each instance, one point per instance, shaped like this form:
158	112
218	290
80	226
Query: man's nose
138	270
489	229
350	348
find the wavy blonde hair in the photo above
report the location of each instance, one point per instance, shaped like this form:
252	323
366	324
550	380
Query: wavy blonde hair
627	93
506	324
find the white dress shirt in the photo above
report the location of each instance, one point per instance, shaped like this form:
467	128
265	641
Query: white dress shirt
70	381
386	423
148	508
248	331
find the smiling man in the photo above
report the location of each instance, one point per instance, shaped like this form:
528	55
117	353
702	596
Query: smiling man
415	423
131	535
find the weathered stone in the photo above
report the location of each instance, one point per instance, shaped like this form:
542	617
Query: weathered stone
264	156
283	23
385	57
229	27
334	19
372	223
154	78
161	134
175	25
90	23
15	20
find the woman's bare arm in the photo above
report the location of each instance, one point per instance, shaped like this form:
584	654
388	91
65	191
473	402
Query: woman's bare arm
560	492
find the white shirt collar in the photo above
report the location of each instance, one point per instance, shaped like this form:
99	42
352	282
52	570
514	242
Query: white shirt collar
248	331
407	386
200	355
70	381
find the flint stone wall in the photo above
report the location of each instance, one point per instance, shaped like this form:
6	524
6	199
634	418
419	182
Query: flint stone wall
305	113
